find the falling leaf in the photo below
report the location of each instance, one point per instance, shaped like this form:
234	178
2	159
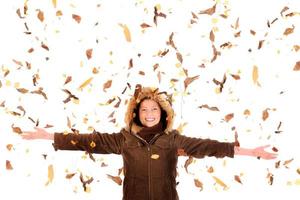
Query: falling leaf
265	114
71	175
189	80
118	103
8	165
289	30
89	53
187	163
270	178
210	169
298	170
212	36
171	42
215	54
107	85
198	184
68	79
255	75
220	182
144	25
85	182
54	3
40	15
297	66
237	178
260	44
126	32
213	108
22	109
16	129
283	10
9	147
142	73
228	117
40	92
157	14
274	149
235	76
77	18
85	83
50	175
44	46
247	112
287	162
116	179
209	11
179	57
22	90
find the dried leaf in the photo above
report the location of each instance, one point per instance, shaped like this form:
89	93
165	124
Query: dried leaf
107	85
22	109
130	64
50	175
283	10
255	75
260	44
77	18
158	14
228	117
297	66
68	79
9	147
210	108
235	76
85	182
270	178
298	170
144	25
287	162
179	57
215	54
54	3
22	90
126	32
171	42
40	15
40	92
69	176
210	169
265	114
238	179
198	184
189	80
212	36
44	46
220	182
118	103
116	179
89	53
85	83
289	30
16	129
8	165
209	11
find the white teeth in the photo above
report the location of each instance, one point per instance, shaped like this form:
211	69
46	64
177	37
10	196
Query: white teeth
149	119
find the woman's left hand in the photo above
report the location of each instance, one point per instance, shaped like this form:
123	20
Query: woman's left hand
260	152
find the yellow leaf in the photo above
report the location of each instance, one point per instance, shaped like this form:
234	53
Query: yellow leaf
54	3
220	182
255	75
126	32
85	83
50	175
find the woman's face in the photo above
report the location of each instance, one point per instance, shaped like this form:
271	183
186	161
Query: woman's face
149	113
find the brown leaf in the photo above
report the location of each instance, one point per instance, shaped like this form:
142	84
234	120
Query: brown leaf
50	175
40	15
68	79
260	44
107	85
289	30
126	32
189	80
265	114
69	176
77	18
40	92
274	149
270	178
158	14
213	108
16	129
142	73
247	112
22	109
210	169
9	147
8	165
187	163
209	11
287	162
45	46
212	36
283	10
116	179
236	76
298	170
22	90
228	117
118	103
238	179
179	57
85	182
198	184
215	54
2	104
130	65
171	42
48	126
297	66
89	53
144	25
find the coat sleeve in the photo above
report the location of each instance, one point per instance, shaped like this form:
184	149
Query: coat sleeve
103	143
200	148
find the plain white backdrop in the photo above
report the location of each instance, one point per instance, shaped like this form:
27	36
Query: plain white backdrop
102	29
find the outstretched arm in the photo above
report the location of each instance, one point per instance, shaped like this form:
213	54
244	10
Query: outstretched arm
258	152
39	133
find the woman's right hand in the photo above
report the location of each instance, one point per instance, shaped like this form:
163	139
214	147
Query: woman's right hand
39	133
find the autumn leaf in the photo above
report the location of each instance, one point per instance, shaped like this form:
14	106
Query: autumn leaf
198	184
68	79
209	11
298	171
171	42
22	90
220	182
255	75
287	162
85	182
107	85
44	46
297	66
40	92
8	165
126	32
16	129
237	178
69	176
189	80
289	31
50	175
77	18
235	76
157	14
210	169
228	117
116	179
212	36
85	83
40	15
213	108
89	53
9	147
270	178
144	25
265	114
215	54
54	3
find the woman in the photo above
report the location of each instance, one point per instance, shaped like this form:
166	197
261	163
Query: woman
148	145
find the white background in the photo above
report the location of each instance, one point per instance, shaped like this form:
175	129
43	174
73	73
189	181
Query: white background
100	29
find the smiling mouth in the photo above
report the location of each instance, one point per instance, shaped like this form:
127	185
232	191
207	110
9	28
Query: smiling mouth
150	119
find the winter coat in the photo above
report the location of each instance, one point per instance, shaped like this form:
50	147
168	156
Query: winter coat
149	168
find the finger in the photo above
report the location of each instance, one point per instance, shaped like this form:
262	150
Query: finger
265	146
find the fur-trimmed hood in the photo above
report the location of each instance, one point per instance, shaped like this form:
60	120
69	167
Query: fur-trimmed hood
142	93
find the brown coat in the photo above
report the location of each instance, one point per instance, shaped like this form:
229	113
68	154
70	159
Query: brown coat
149	168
